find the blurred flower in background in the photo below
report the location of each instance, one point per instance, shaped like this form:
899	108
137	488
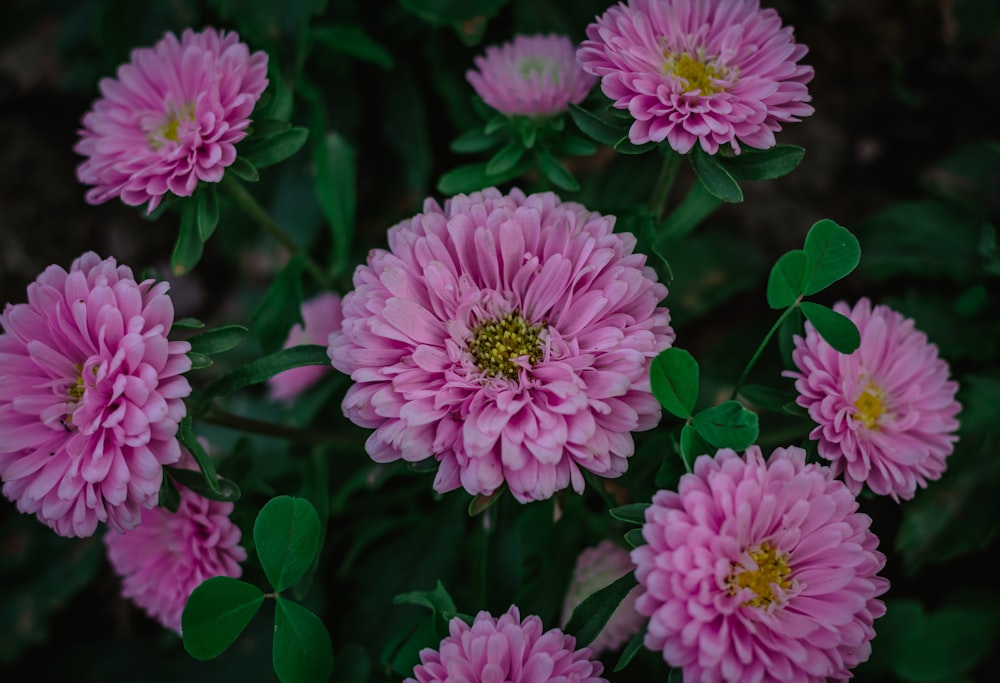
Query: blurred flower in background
321	316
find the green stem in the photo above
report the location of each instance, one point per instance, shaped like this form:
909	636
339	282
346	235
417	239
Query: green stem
760	349
249	206
254	426
661	191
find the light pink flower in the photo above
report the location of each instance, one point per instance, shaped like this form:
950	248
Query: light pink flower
510	337
170	554
530	76
886	413
90	396
596	568
171	118
717	72
321	316
506	650
759	571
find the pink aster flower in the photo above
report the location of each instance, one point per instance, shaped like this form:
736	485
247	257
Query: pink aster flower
530	76
597	568
508	650
886	413
171	118
321	316
717	72
759	570
170	554
90	396
510	337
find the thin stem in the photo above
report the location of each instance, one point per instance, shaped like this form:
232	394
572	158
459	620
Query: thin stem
760	349
259	215
229	420
661	191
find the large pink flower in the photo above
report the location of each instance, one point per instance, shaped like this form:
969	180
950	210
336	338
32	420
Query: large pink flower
510	337
171	118
506	650
530	76
886	413
716	72
170	553
322	317
759	571
90	396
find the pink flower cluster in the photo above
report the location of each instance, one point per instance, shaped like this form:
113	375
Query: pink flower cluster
171	118
508	336
321	316
91	393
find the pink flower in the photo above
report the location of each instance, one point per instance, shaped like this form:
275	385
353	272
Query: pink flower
759	571
90	396
886	413
170	554
717	72
530	76
171	118
506	650
510	337
597	568
321	316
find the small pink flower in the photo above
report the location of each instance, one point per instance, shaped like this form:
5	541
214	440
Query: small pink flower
171	118
530	76
715	72
321	316
886	413
509	337
90	396
506	650
597	568
759	570
170	554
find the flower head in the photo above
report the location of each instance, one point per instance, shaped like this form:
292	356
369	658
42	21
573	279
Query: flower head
90	396
530	76
321	316
169	554
716	72
171	118
759	570
510	337
596	568
886	413
506	649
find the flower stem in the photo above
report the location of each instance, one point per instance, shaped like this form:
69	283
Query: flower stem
661	191
760	349
229	420
249	206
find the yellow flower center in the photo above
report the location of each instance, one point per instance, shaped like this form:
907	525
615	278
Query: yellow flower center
697	73
869	406
495	345
76	391
772	569
534	65
170	129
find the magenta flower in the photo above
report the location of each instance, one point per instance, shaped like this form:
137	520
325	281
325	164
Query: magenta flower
530	76
759	571
506	650
716	72
886	413
90	396
321	316
596	568
510	337
169	554
171	118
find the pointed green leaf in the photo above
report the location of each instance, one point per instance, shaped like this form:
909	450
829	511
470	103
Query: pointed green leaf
626	146
634	513
208	210
504	160
673	377
631	650
218	340
243	169
590	616
727	425
693	445
481	503
186	437
336	189
302	650
266	128
714	177
187	324
281	306
833	253
838	330
189	245
475	141
595	127
768	164
576	146
437	600
199	361
353	41
216	613
768	398
697	205
473	177
266	367
287	537
634	538
787	279
272	150
557	174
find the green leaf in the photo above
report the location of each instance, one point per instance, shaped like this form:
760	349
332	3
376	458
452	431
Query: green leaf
633	513
693	445
838	330
697	205
631	650
281	306
670	471
226	490
243	169
287	537
218	340
475	141
216	613
272	150
574	145
187	324
504	160
768	398
595	127
626	146
189	245
727	425
473	177
268	128
187	439
351	665
634	538
786	281
766	164
336	189
557	174
481	503
302	650
208	210
673	377
352	41
833	252
437	600
266	367
590	616
199	361
169	497
714	177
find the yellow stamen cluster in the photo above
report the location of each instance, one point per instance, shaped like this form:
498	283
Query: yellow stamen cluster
869	406
170	129
495	345
772	569
696	73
